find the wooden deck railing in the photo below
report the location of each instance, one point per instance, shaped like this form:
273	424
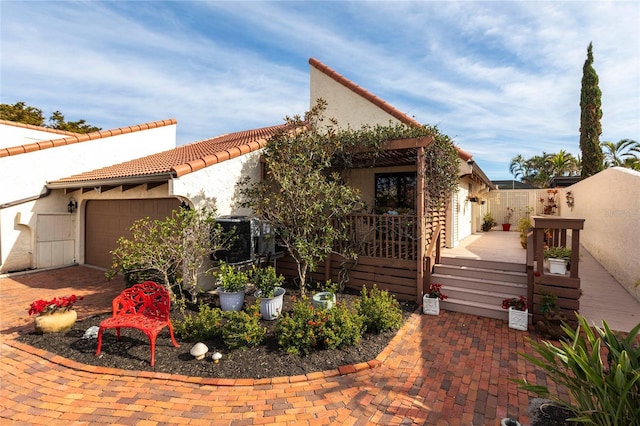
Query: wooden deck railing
385	236
565	287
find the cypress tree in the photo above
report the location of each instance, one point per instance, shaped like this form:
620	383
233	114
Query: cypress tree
590	115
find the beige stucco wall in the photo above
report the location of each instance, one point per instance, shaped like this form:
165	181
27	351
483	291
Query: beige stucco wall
349	108
610	204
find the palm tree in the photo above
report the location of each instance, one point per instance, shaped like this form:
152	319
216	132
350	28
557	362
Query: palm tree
563	164
621	154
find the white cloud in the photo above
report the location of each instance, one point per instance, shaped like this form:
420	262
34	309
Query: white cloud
503	78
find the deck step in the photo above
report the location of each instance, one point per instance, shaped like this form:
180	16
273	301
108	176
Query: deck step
478	287
481	273
475	308
486	264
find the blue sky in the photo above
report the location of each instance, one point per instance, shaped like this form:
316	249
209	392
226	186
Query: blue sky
500	78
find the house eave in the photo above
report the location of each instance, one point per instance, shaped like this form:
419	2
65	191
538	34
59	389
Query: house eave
153	180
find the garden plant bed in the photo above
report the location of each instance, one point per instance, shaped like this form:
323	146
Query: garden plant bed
132	352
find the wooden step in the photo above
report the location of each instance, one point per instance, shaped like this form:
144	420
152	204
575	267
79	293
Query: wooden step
481	272
475	308
503	287
485	264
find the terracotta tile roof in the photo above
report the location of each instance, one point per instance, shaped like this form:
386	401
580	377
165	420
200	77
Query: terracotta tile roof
75	137
388	108
183	159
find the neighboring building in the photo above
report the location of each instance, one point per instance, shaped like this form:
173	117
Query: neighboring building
36	229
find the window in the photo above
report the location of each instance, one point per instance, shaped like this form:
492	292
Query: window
396	192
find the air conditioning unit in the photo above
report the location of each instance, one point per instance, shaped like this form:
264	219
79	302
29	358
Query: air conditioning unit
252	238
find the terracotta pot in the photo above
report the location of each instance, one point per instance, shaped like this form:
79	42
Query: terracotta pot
506	226
55	322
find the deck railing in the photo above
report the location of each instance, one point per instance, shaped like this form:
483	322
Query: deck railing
385	236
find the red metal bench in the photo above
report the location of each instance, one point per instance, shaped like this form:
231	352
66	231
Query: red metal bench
143	306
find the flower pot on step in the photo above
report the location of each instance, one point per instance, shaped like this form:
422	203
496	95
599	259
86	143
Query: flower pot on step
518	320
55	322
271	307
430	305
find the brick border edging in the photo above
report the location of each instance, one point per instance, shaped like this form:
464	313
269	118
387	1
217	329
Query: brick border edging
216	381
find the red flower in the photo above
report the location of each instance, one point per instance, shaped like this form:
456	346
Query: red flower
518	303
63	304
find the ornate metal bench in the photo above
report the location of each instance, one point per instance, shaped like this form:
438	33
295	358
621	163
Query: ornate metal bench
144	307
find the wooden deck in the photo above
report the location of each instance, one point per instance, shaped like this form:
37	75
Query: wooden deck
603	298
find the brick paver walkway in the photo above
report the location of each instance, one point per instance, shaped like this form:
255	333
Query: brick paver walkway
451	369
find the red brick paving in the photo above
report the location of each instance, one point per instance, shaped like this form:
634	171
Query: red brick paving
451	369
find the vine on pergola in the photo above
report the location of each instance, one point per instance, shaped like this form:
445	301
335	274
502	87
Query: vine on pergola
304	196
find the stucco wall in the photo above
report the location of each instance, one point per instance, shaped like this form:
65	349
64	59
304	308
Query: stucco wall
216	185
349	108
25	175
610	204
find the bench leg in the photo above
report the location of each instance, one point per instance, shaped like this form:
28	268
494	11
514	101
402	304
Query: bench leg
99	341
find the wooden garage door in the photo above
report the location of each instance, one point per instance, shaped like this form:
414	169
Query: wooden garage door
108	220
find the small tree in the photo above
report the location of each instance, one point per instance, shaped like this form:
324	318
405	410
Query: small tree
590	115
23	113
302	197
173	249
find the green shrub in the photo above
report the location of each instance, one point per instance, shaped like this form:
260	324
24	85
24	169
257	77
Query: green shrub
231	279
601	393
242	329
306	328
205	325
381	310
488	222
266	280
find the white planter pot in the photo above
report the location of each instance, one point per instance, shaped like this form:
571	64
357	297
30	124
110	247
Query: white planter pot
231	301
430	305
557	266
323	300
271	307
518	320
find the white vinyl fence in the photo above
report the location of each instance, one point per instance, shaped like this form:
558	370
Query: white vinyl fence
521	200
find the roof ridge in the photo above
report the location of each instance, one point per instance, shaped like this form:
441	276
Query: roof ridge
379	102
82	137
35	127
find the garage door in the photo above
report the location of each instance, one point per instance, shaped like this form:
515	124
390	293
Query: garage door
108	220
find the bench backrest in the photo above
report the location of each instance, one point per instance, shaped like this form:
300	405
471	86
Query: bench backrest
148	299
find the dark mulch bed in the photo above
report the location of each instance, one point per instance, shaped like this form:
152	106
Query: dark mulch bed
132	352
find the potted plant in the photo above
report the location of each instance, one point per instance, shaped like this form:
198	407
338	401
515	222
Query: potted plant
431	300
325	299
559	259
506	226
488	222
551	326
269	290
518	312
231	287
54	315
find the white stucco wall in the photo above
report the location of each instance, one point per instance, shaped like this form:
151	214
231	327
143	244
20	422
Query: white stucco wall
17	135
610	204
349	108
25	175
217	184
